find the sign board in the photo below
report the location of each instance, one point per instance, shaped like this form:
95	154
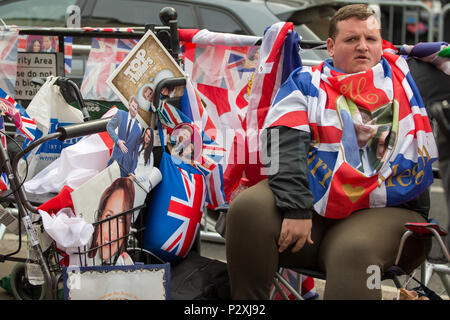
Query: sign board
31	65
134	282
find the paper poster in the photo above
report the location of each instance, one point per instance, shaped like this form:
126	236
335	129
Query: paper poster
138	282
87	197
33	43
111	203
138	74
103	197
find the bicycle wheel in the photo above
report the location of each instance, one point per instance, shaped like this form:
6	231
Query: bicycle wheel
21	288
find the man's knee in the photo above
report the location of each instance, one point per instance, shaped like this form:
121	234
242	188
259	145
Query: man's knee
253	208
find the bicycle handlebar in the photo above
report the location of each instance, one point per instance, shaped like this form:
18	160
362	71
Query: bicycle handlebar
82	129
62	133
169	82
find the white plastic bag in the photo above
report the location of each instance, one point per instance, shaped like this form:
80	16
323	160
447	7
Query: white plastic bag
50	111
76	165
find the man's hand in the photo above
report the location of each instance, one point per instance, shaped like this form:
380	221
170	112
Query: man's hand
122	146
295	231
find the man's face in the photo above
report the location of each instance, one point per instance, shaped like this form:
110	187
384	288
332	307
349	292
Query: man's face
148	94
46	42
358	45
133	108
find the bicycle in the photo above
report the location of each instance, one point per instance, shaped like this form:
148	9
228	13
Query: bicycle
50	258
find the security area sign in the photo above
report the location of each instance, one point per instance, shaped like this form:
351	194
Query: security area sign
31	65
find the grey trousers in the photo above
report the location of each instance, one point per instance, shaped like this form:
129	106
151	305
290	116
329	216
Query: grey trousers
344	249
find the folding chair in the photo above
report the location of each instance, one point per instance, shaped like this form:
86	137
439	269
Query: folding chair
423	230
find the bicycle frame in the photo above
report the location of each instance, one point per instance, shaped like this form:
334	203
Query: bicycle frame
24	205
24	208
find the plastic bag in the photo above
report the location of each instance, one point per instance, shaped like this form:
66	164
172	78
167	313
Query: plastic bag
50	111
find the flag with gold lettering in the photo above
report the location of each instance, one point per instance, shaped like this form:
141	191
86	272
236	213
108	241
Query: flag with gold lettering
373	145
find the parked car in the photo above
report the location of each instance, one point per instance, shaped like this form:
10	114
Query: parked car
249	17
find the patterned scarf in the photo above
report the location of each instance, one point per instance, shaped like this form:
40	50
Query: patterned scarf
372	141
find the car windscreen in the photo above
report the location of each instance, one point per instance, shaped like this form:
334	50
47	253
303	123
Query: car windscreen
311	56
42	13
119	13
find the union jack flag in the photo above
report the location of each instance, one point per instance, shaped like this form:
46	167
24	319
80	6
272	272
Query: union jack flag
68	54
223	69
351	185
177	203
8	60
28	127
213	148
307	292
212	153
187	211
104	57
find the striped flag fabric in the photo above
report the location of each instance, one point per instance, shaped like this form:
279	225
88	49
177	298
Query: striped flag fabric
279	56
9	39
68	54
104	57
91	29
237	77
348	169
24	123
171	117
305	283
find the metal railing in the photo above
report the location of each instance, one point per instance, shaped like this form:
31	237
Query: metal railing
441	23
401	13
